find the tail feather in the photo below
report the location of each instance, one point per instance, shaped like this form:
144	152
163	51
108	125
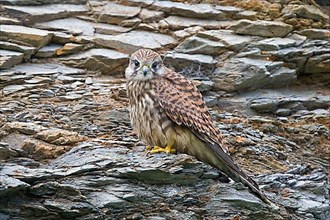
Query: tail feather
233	171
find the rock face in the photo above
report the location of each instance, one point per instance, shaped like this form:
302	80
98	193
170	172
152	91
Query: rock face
241	74
67	149
34	37
261	28
107	61
32	14
134	40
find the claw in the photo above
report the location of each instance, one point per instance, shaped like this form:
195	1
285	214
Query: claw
168	149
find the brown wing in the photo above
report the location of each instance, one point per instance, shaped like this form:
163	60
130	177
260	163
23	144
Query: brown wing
184	104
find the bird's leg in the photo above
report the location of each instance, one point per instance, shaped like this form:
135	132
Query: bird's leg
168	149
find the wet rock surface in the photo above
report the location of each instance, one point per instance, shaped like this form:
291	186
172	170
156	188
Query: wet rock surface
67	150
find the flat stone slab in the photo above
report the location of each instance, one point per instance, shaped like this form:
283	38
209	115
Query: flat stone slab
32	14
198	45
190	64
32	36
10	58
316	33
177	23
107	61
231	40
239	74
305	11
115	13
261	28
134	40
48	51
73	26
274	43
34	69
28	51
204	11
43	2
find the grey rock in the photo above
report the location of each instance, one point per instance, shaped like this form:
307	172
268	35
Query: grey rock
305	11
28	51
105	200
261	28
187	32
177	23
318	64
40	13
48	51
197	45
246	14
10	58
188	10
227	37
138	2
283	112
134	40
293	103
10	89
274	43
196	64
107	61
150	15
102	28
247	74
33	2
229	11
115	13
10	185
73	26
316	33
32	69
31	36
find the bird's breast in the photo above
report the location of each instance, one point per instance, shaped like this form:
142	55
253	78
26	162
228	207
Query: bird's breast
148	119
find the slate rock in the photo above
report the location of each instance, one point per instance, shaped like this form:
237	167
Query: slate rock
177	23
134	40
306	11
205	11
10	58
114	13
249	74
316	33
31	36
194	64
28	51
104	60
231	40
261	28
40	13
197	45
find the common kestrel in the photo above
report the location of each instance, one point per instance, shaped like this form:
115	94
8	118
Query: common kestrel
168	112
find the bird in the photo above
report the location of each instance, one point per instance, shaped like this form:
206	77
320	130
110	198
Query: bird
168	112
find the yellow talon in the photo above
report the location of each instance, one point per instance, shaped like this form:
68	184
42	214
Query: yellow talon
168	149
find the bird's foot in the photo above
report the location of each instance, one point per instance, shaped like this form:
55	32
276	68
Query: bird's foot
168	149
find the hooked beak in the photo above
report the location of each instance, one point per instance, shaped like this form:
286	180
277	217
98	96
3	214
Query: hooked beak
145	70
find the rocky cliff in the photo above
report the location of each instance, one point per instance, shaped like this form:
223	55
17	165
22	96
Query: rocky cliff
67	150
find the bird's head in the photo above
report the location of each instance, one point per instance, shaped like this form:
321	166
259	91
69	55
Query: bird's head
144	64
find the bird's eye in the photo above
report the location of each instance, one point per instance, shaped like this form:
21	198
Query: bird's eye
136	63
155	65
